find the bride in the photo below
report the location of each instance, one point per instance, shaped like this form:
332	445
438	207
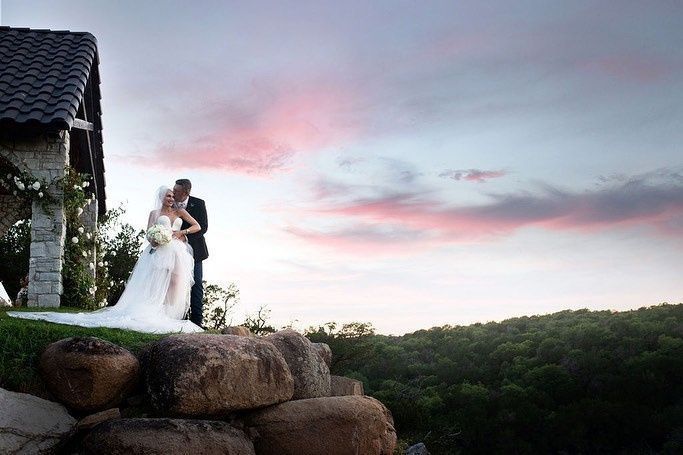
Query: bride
157	294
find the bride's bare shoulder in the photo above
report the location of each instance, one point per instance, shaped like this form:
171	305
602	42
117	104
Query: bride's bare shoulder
153	215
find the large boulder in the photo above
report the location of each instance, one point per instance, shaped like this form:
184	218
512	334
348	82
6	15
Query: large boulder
166	437
237	330
331	426
324	351
29	424
212	375
91	421
311	373
342	386
88	374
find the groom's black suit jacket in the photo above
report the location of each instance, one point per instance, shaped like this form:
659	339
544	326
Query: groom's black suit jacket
197	208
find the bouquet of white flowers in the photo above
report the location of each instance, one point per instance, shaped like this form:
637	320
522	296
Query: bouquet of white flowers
159	235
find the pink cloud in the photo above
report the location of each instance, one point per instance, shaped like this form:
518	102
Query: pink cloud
472	175
364	239
633	68
261	139
636	202
427	216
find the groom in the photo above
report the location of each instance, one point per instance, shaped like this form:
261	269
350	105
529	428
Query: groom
196	208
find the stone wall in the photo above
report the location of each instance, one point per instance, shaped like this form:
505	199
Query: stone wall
45	156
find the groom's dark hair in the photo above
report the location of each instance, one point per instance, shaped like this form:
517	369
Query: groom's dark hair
185	183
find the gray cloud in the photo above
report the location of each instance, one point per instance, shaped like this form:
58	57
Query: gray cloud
473	175
654	199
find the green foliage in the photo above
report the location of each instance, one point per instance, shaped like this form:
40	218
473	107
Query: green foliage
15	248
79	286
218	304
349	343
570	382
120	246
25	185
257	322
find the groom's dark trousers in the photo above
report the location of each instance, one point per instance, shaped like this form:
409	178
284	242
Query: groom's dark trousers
197	208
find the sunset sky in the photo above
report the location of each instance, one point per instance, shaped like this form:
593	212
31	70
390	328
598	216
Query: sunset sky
405	163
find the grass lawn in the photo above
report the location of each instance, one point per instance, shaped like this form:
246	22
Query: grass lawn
22	341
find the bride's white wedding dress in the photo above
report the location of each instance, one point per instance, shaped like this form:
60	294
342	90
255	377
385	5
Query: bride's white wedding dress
156	298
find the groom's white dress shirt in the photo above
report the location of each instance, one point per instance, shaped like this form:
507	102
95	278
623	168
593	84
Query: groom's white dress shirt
183	204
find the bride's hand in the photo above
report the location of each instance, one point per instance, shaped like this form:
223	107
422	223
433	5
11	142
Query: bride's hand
179	235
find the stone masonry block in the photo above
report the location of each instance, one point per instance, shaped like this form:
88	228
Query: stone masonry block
53	250
40	287
38	249
50	276
48	300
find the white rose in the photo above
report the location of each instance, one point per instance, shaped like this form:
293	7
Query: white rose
92	291
81	230
111	283
91	266
100	264
85	255
106	263
79	211
36	186
74	239
40	194
88	235
86	184
21	186
76	187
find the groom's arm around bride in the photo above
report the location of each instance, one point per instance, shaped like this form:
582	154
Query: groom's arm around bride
197	209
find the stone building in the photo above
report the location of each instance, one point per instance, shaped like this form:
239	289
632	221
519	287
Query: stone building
49	119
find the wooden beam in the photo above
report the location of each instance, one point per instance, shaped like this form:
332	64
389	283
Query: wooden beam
83	125
87	109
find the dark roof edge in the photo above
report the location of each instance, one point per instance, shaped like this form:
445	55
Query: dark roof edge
47	30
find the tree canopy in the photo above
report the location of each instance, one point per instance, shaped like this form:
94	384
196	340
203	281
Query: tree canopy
574	381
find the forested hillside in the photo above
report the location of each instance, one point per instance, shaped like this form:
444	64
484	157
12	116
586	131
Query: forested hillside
573	382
